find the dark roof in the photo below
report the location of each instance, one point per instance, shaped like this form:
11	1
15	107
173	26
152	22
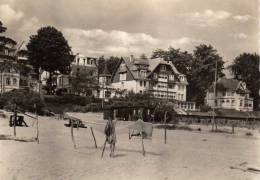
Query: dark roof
141	61
152	64
105	71
227	85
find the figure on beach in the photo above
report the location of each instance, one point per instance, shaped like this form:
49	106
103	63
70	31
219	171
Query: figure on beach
110	133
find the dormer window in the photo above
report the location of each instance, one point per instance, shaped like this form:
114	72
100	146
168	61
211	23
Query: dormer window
143	73
163	67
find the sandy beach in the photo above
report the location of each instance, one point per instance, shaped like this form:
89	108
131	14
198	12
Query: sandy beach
189	155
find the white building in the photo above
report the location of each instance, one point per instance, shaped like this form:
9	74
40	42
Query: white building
9	72
79	64
230	94
157	77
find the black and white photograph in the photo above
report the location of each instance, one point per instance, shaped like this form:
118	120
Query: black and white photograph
129	90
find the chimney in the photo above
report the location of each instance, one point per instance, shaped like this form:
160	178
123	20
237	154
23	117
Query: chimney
131	58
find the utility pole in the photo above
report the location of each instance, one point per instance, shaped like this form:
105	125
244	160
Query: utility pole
214	91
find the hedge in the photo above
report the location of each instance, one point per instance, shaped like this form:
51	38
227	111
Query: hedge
24	99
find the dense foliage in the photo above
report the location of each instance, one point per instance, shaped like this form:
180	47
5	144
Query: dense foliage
24	99
49	51
83	82
246	68
198	67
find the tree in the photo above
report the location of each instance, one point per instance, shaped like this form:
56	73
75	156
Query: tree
83	82
6	40
202	72
112	62
143	56
245	68
49	51
181	60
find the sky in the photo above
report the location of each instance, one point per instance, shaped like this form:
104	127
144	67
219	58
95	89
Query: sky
124	27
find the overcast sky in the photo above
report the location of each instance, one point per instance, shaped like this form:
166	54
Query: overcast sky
123	27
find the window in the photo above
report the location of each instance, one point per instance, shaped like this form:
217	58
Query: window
171	77
107	94
78	61
143	73
141	83
163	67
88	61
8	81
155	75
122	77
14	81
144	83
241	102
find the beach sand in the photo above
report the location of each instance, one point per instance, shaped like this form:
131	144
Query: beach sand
191	155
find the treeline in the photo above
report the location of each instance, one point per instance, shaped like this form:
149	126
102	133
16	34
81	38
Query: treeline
49	51
199	67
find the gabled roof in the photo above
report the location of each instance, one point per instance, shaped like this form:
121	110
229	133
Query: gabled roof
228	85
152	64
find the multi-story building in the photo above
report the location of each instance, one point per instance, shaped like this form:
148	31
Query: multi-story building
9	73
157	77
230	94
80	63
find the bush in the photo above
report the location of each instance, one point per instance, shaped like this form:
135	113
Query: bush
205	108
24	99
68	99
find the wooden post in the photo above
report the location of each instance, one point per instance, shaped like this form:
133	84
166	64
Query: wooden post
15	117
71	131
93	137
129	136
165	127
165	135
37	125
142	139
77	125
104	147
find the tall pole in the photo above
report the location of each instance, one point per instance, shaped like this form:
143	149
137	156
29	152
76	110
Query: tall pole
167	86
103	92
215	84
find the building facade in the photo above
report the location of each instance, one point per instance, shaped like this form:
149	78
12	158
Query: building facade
157	77
81	63
230	94
9	72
